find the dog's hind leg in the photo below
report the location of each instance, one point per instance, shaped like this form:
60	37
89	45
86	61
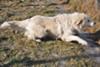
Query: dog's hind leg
31	36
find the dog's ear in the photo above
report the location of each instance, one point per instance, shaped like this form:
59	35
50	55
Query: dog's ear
79	22
80	19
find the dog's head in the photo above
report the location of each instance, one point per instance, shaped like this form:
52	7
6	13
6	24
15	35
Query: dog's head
82	20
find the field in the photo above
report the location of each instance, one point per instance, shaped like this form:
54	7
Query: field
17	51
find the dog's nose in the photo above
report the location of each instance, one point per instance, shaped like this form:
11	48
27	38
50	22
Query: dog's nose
94	23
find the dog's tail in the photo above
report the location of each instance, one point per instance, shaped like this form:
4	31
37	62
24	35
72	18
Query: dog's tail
12	24
5	24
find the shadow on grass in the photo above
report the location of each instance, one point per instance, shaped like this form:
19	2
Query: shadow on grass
96	35
91	38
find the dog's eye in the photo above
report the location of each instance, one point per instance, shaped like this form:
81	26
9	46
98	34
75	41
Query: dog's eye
88	20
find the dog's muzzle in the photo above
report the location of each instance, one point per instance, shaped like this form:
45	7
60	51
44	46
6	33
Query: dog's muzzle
92	24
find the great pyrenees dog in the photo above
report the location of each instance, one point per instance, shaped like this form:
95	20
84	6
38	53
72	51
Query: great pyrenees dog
61	26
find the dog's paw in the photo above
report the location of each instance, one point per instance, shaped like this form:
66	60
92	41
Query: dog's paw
38	40
85	43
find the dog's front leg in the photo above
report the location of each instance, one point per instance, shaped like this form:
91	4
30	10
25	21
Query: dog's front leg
70	38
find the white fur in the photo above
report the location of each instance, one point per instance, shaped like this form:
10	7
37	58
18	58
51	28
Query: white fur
60	26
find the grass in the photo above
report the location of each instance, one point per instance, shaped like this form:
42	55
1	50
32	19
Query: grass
17	51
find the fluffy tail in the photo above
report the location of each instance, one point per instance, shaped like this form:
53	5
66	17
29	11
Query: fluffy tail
13	24
16	25
5	25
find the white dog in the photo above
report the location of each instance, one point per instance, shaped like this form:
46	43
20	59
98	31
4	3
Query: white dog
62	26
